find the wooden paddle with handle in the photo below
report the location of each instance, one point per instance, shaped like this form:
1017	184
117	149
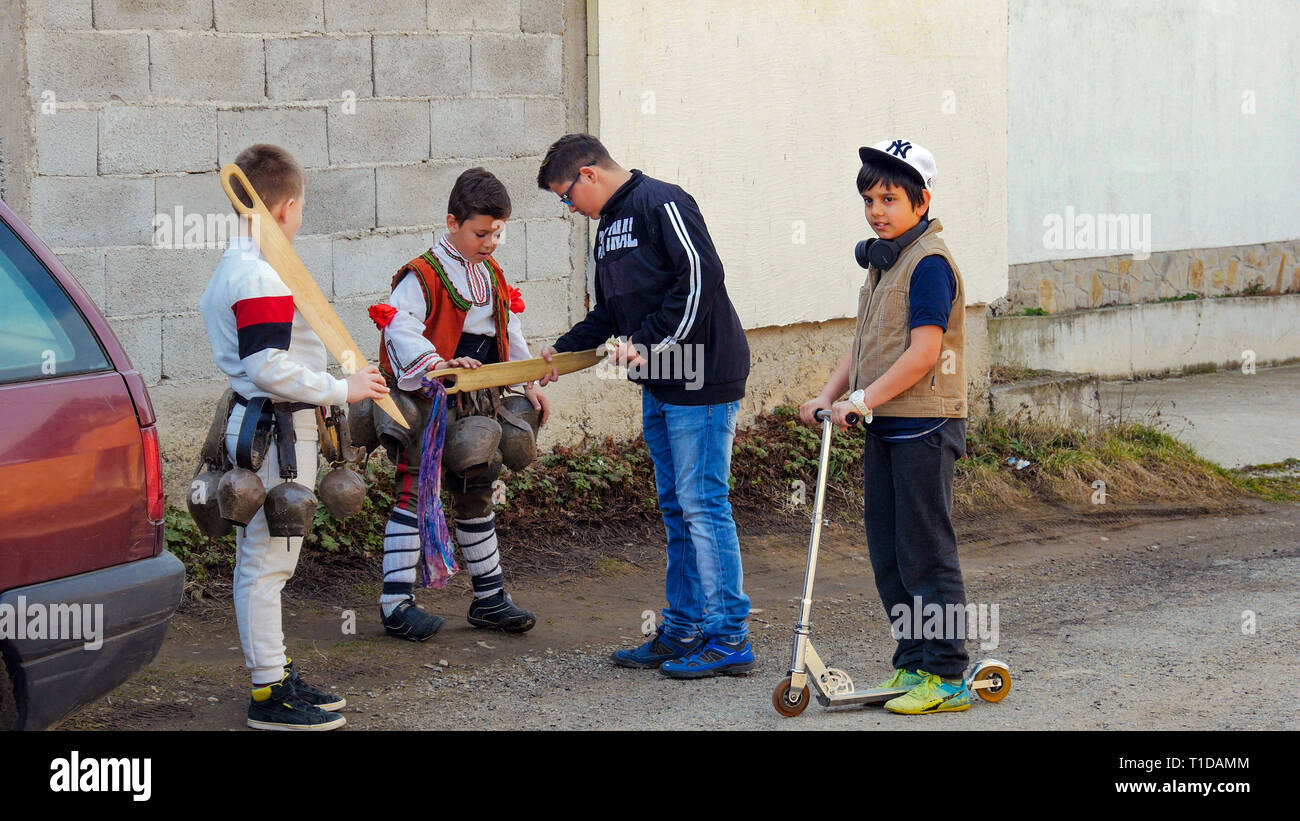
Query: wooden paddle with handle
500	374
307	295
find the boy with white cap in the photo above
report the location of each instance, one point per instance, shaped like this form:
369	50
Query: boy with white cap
905	377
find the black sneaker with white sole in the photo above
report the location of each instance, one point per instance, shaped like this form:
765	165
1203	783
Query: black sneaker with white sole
311	695
284	709
409	622
498	611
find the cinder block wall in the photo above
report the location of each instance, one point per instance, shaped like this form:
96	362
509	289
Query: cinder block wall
133	107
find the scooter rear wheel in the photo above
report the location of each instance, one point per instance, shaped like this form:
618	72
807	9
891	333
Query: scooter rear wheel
783	705
1001	686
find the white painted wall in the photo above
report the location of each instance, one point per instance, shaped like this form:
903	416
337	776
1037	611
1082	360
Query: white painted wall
1143	108
758	110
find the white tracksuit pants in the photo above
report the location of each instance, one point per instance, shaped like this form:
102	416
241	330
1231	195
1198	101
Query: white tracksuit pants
264	563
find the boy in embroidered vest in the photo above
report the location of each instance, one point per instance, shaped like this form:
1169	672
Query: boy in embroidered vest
454	310
260	340
906	378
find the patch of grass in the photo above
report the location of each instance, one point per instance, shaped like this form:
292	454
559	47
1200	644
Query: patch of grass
596	508
1031	312
1187	297
1004	374
1275	482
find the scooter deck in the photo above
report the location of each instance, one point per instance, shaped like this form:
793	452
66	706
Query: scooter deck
876	695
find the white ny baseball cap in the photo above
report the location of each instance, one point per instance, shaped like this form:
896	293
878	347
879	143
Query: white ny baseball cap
904	154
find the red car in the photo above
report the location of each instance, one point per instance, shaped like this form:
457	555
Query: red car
86	589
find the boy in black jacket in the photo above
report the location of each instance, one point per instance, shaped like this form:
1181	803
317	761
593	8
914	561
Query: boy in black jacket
659	288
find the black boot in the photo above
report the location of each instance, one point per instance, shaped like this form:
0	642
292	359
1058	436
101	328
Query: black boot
498	611
409	622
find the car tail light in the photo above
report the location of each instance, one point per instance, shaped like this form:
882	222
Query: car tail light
152	473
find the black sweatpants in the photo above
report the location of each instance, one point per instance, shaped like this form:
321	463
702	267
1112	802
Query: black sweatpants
908	515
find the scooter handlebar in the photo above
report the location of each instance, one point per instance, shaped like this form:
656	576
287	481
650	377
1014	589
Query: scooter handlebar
824	414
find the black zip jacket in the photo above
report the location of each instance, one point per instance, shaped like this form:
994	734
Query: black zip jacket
659	284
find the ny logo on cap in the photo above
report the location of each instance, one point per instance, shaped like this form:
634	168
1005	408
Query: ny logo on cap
899	148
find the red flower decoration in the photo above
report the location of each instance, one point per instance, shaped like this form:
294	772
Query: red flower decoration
382	314
516	300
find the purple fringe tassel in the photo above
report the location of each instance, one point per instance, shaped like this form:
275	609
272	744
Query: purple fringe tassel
437	559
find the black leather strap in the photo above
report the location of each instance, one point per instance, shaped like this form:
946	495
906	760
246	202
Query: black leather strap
285	439
254	432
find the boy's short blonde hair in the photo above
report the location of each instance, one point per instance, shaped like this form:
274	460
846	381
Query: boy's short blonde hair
275	174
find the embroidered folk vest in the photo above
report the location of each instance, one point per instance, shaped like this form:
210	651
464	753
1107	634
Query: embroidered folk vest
882	334
446	308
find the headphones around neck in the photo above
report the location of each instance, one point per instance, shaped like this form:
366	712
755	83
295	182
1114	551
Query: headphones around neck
883	253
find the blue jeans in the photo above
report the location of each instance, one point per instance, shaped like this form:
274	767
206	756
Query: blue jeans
691	448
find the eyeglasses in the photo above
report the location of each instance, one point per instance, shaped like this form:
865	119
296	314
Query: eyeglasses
564	198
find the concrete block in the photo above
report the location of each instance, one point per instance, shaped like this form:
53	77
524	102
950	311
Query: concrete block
148	139
547	312
421	65
134	14
81	212
88	66
316	68
517	64
511	254
341	199
355	313
142	338
549	249
87	267
68	14
269	15
376	15
526	199
185	356
224	67
495	127
379	131
67	143
301	131
157	280
415	194
365	266
542	16
317	253
476	15
193	194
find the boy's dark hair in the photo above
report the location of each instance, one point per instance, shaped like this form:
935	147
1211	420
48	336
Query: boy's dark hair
274	173
476	192
567	155
888	174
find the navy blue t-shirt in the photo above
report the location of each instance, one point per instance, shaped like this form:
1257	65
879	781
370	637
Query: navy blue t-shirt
933	288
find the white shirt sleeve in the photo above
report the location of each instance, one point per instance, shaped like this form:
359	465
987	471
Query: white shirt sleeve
410	353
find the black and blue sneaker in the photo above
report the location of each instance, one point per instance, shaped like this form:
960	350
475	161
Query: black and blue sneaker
714	658
311	695
655	652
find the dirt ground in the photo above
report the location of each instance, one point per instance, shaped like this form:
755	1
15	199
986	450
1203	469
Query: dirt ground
1107	622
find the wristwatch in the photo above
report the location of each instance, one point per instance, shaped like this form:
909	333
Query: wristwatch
857	398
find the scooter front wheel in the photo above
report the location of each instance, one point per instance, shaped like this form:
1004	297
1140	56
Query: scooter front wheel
782	702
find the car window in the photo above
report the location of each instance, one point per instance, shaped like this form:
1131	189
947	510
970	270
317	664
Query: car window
42	334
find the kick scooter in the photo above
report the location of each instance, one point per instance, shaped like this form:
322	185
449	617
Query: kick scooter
990	678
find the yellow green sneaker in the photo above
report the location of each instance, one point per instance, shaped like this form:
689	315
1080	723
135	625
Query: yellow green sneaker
932	695
900	680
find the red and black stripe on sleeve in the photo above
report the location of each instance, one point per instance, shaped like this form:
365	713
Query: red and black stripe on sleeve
263	322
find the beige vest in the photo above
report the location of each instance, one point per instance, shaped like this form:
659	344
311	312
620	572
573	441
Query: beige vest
882	334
